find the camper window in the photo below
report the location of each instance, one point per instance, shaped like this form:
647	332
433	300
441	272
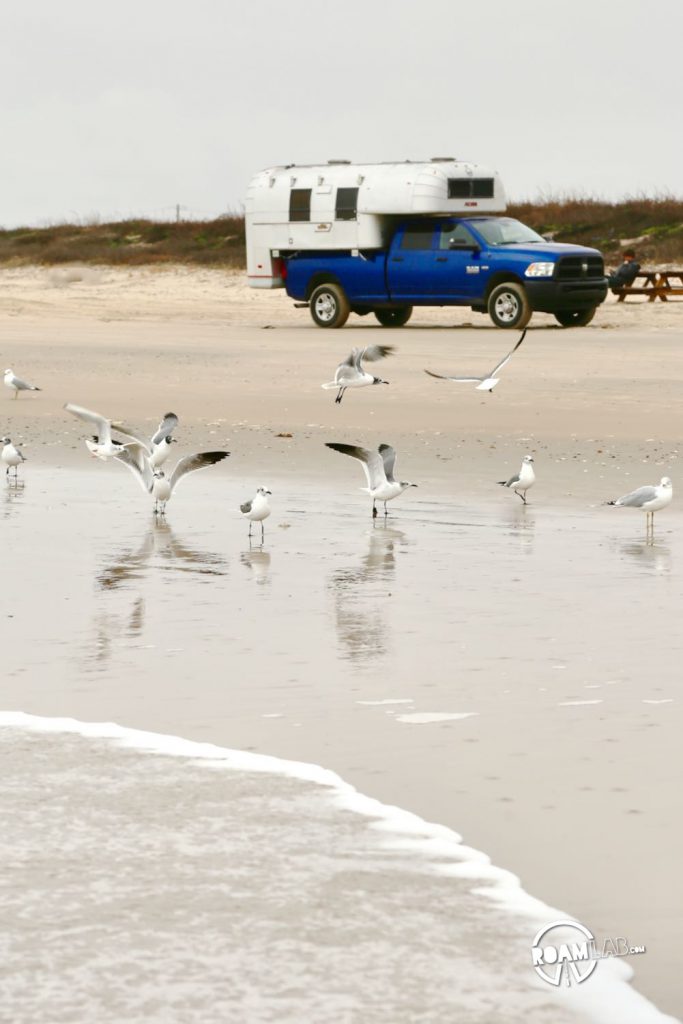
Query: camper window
418	236
470	188
300	204
347	202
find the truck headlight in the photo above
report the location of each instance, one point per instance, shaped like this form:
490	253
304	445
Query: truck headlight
539	270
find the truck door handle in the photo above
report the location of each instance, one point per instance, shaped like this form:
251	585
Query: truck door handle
441	259
397	259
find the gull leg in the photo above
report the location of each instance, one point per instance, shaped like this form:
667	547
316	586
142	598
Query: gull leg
374	509
263	532
250	525
386	513
521	496
340	396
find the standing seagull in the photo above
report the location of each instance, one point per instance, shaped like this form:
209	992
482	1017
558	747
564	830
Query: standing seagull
488	382
522	481
18	384
155	482
649	500
158	448
257	509
102	446
379	471
350	373
11	456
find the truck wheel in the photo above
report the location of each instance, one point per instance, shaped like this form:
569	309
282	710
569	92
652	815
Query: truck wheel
575	317
329	306
397	317
508	305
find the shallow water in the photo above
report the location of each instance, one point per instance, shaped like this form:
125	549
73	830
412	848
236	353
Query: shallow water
535	651
152	888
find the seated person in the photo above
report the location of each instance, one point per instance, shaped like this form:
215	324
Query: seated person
626	274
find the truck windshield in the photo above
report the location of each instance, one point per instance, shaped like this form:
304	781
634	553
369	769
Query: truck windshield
505	231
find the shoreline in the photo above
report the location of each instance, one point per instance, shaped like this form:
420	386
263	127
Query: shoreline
568	577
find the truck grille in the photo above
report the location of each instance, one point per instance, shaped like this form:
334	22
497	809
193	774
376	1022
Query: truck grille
579	268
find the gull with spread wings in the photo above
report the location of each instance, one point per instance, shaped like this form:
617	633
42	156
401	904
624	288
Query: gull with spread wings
488	381
379	472
350	373
155	481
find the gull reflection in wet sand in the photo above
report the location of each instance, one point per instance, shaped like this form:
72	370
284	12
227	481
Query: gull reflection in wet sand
258	562
14	494
359	610
653	558
160	551
521	524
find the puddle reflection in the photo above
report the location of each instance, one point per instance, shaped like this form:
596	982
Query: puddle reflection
257	561
521	523
359	610
14	493
162	549
652	556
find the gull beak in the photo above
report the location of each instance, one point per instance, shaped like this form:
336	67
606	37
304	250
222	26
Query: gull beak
413	485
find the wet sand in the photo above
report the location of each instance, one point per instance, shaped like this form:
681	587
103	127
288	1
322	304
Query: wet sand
552	627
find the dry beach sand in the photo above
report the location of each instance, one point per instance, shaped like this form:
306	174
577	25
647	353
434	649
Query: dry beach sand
512	673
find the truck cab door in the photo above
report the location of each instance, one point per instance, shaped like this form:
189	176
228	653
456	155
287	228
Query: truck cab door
457	263
410	262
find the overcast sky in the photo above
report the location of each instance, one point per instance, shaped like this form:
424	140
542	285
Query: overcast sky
129	108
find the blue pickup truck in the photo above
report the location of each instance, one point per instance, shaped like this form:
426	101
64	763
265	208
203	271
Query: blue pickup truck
495	265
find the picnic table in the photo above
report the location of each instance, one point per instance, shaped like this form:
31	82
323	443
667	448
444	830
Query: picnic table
656	284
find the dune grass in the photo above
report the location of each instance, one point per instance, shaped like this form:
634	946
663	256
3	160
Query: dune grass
653	226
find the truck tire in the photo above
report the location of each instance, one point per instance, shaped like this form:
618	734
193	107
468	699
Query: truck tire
575	317
508	305
329	305
397	317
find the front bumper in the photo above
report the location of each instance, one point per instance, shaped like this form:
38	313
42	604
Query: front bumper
548	296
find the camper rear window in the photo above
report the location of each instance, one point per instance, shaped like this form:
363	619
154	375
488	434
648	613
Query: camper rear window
300	204
347	202
470	188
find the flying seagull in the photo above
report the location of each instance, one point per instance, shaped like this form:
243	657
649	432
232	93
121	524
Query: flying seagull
257	509
11	456
522	481
155	481
379	471
18	384
488	382
158	447
648	500
350	373
102	445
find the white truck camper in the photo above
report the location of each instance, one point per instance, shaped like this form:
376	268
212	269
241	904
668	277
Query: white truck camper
352	207
381	239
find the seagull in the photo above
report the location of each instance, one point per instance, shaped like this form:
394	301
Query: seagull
488	382
158	447
11	456
379	471
648	499
155	481
102	446
522	481
18	384
257	509
350	373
